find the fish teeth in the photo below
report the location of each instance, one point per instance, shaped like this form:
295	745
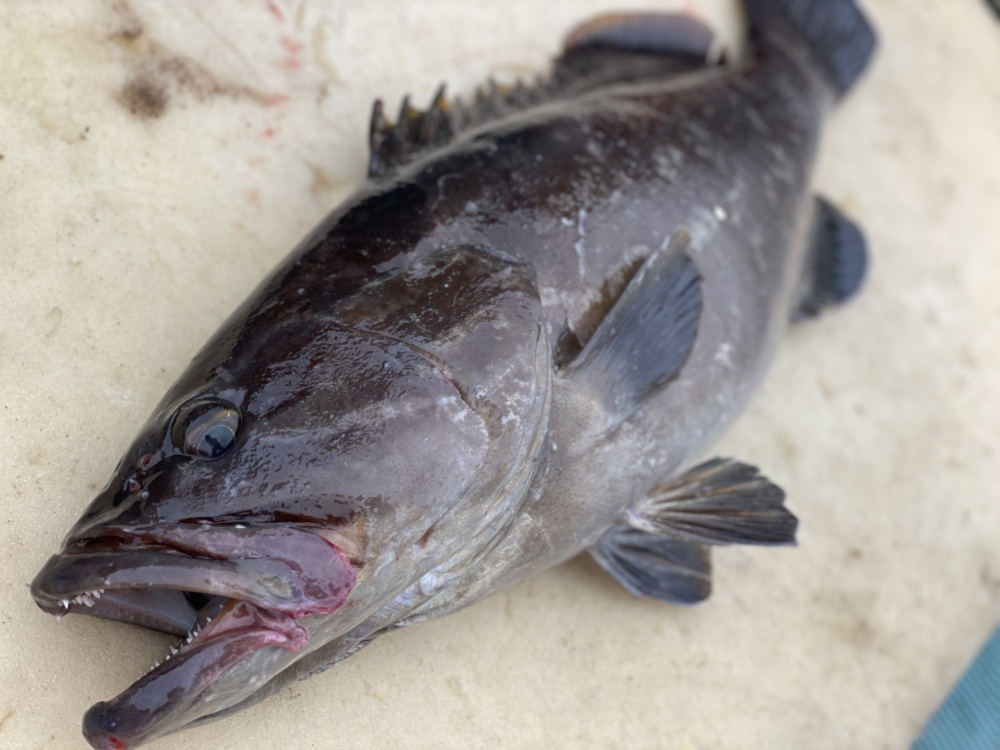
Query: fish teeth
87	598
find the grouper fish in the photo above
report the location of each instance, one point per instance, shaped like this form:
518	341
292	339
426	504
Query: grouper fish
514	343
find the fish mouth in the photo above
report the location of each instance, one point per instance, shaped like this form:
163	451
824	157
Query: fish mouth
230	590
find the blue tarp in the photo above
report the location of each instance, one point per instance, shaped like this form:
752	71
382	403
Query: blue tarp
969	719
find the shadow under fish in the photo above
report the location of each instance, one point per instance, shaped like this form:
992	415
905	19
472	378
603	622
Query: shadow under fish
507	348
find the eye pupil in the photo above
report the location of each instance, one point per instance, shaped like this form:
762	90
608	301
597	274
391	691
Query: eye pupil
216	441
206	428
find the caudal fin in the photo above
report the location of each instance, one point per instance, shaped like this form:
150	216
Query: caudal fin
836	32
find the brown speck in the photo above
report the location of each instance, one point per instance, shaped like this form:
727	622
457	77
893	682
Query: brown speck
144	97
324	186
129	25
455	686
54	318
127	31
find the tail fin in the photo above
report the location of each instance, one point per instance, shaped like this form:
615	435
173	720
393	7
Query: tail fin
836	32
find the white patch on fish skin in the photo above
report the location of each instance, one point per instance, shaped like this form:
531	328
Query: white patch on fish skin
581	232
720	213
667	162
723	355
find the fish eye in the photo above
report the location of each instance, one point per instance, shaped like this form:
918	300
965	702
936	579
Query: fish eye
206	428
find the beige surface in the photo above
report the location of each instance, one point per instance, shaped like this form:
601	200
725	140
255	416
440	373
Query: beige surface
156	162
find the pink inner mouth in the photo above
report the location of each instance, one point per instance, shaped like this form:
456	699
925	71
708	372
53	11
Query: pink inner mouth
239	589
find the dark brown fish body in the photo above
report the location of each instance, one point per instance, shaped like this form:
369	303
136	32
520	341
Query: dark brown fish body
491	358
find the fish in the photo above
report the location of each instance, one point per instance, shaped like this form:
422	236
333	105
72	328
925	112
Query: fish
512	345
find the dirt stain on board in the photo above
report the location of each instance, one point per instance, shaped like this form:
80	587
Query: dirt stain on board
158	78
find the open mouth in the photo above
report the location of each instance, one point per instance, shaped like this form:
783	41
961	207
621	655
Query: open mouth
230	591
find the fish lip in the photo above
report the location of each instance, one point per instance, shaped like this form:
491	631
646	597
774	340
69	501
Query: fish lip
177	692
259	579
280	568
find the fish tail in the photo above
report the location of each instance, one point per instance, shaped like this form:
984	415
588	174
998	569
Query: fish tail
836	32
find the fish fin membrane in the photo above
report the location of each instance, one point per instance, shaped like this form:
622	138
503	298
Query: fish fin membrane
721	501
835	31
653	566
838	261
647	336
611	49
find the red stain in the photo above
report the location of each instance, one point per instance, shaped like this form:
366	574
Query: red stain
276	11
292	45
293	60
117	744
275	99
254	197
269	132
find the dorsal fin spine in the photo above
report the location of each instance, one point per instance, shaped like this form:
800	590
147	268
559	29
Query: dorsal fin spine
600	52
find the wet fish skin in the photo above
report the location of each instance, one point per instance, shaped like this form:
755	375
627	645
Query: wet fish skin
440	392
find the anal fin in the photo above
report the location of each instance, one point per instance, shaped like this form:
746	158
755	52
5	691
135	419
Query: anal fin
663	551
647	336
837	262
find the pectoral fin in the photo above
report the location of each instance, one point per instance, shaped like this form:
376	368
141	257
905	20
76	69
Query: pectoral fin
663	553
648	334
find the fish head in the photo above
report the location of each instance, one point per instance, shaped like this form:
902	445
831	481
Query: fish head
298	479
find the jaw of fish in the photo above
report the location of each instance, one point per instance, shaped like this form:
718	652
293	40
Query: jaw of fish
236	593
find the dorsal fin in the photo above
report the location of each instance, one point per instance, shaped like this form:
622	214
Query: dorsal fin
654	33
613	48
414	132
